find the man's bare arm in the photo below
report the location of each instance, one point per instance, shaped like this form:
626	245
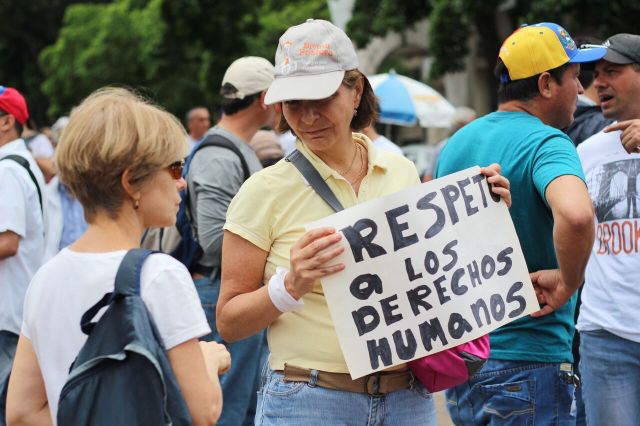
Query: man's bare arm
9	243
573	234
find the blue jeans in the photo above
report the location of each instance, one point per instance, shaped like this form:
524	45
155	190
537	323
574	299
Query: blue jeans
514	393
610	367
240	384
577	408
299	403
8	343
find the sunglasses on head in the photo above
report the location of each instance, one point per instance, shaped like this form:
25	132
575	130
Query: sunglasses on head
176	168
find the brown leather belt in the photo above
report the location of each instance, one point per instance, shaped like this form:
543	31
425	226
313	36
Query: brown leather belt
375	384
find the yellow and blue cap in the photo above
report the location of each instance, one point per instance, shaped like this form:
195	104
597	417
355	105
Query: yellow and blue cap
534	49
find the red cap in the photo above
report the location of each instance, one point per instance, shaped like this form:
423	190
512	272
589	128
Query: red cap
12	102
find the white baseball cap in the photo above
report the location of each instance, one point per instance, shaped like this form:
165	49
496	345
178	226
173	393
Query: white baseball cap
311	61
246	76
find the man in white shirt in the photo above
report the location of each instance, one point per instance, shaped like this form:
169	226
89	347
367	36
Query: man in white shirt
22	245
608	321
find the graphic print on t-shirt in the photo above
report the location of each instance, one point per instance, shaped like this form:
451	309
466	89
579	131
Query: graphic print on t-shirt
614	190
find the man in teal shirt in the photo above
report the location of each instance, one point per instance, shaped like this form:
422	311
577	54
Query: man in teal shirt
529	374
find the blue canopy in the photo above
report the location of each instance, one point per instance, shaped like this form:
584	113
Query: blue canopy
396	105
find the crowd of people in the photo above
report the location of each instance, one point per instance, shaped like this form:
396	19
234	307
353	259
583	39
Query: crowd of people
245	321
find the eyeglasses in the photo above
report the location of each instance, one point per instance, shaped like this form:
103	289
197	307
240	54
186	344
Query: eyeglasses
176	168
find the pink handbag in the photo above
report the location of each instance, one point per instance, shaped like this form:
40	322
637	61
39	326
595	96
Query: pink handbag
452	367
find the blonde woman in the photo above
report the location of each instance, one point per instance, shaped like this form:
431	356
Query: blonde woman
122	158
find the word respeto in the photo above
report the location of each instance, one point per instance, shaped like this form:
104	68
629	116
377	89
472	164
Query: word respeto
446	204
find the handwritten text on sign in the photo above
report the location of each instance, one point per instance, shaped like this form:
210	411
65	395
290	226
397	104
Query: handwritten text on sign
428	268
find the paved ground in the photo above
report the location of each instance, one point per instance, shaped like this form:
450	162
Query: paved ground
441	411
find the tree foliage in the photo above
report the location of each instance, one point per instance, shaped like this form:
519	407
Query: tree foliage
27	27
177	50
598	18
442	44
202	38
275	16
101	45
453	20
377	17
174	50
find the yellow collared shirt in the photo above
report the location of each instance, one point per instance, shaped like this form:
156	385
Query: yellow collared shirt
271	211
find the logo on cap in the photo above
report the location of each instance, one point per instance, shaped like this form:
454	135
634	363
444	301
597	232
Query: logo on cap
315	49
288	66
566	40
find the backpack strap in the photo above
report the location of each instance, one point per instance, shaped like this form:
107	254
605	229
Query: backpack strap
85	321
222	142
24	163
210	140
128	275
315	180
127	283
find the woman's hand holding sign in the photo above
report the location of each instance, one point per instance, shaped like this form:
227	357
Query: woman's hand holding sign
309	257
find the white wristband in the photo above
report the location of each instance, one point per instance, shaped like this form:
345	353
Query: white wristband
279	294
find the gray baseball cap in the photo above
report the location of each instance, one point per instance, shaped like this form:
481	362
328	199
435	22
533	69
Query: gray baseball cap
311	61
623	49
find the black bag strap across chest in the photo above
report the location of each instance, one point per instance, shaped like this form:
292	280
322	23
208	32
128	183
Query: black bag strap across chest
220	142
315	180
24	163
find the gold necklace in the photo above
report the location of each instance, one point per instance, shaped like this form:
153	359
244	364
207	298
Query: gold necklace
362	167
353	160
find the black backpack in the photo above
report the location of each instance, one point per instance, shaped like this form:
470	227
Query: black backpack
122	375
183	244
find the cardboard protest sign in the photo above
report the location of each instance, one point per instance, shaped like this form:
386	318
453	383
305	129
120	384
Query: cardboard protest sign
427	268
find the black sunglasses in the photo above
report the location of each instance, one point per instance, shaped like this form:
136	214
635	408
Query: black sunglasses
176	169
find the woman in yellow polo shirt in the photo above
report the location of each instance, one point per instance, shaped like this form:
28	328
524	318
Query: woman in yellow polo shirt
324	98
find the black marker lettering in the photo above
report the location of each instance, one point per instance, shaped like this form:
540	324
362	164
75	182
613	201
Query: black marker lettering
408	350
360	319
359	242
425	204
512	297
388	308
374	284
380	350
416	298
396	228
430	331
